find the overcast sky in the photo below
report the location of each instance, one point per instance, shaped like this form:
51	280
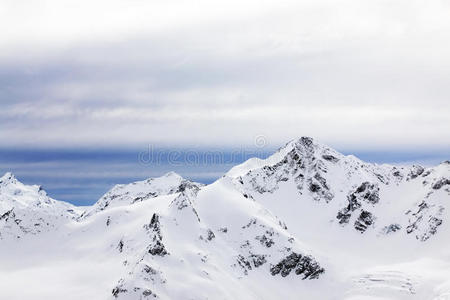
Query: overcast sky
95	83
354	74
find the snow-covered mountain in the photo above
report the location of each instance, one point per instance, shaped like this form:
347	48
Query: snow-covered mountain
123	194
305	223
381	199
28	210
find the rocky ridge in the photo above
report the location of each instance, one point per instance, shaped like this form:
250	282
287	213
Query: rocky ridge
273	220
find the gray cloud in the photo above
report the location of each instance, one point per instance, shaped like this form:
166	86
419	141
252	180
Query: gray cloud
372	75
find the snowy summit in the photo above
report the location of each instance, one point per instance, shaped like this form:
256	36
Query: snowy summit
306	223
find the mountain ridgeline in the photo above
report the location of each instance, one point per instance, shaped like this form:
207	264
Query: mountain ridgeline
307	222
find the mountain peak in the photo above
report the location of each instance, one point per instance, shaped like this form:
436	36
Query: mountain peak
139	191
305	140
305	143
304	146
172	174
8	178
305	212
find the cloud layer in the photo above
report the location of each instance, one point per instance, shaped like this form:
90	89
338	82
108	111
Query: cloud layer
366	75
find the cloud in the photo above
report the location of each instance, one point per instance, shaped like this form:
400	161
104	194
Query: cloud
128	74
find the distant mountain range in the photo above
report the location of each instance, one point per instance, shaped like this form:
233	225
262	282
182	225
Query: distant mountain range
306	223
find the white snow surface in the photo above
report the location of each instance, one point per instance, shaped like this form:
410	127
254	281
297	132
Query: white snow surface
305	223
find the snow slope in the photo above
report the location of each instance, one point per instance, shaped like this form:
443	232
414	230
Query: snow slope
28	209
305	223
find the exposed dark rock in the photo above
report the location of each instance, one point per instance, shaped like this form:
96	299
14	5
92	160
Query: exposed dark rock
318	185
183	200
252	222
258	260
145	197
211	235
223	229
397	173
148	293
246	244
188	185
266	238
353	203
120	246
301	264
381	178
134	293
425	221
368	192
157	248
314	187
426	173
392	228
364	220
343	216
415	172
413	226
117	290
330	157
307	142
433	224
422	206
7	215
283	225
149	270
266	241
440	183
244	263
154	225
250	262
